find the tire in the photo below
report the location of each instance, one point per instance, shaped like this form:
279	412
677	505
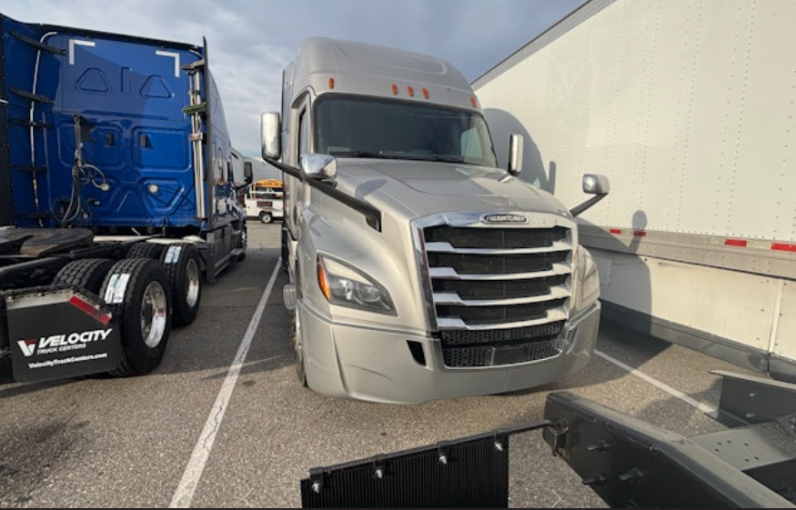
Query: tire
266	217
145	251
142	315
87	274
244	243
183	269
285	250
298	349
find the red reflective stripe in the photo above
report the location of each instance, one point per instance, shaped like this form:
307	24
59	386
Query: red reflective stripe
783	247
86	307
616	231
735	242
639	233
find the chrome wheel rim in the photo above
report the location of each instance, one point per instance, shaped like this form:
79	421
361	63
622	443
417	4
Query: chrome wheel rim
153	314
192	275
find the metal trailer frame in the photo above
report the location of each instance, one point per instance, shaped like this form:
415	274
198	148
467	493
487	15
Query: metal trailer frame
627	462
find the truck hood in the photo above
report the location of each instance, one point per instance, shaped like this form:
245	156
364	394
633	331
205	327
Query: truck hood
415	189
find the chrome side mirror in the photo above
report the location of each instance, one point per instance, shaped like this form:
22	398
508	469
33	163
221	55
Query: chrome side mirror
515	154
318	166
595	184
270	135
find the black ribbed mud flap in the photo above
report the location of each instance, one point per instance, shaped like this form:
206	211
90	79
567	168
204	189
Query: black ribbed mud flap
472	472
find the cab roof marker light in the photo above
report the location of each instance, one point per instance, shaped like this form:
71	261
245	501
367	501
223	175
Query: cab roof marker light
331	83
426	94
411	91
394	89
474	101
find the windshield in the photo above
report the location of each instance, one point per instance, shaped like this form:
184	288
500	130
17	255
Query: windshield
376	128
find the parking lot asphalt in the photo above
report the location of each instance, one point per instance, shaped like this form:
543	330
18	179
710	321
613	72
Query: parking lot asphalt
99	441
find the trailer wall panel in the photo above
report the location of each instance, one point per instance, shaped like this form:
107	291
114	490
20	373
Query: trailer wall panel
689	108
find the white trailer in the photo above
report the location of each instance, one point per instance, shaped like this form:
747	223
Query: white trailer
689	107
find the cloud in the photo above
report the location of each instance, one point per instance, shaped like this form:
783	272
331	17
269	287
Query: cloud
251	41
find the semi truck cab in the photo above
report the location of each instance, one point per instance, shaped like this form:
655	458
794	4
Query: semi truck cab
418	269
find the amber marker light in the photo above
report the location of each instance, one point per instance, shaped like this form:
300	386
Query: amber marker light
323	282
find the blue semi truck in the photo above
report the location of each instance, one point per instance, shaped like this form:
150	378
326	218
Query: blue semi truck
118	197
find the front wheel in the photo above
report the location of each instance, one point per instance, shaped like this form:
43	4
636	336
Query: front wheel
136	291
266	217
298	350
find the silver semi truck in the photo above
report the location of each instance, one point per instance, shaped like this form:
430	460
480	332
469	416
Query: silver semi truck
419	270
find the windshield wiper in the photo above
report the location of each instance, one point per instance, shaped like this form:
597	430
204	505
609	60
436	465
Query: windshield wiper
365	154
439	157
398	155
355	154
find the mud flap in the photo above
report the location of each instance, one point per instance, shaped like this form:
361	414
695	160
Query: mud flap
464	474
58	333
471	472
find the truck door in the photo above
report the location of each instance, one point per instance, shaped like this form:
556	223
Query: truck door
295	189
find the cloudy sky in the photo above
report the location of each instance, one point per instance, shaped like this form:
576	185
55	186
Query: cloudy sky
251	41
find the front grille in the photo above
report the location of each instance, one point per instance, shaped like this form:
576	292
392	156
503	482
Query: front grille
500	294
495	237
496	264
492	336
485	356
499	289
499	314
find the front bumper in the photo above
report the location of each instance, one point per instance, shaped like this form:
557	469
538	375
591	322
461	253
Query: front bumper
377	365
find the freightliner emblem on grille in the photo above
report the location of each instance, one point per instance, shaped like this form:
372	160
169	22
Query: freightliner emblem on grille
504	218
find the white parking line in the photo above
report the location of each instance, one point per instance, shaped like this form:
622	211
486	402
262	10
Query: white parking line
201	452
658	384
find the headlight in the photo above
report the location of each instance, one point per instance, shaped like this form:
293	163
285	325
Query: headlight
585	280
343	285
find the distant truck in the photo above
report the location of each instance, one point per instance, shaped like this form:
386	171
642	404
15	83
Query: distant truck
117	195
689	109
265	200
418	269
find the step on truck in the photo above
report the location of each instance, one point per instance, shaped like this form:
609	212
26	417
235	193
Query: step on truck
418	269
117	196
